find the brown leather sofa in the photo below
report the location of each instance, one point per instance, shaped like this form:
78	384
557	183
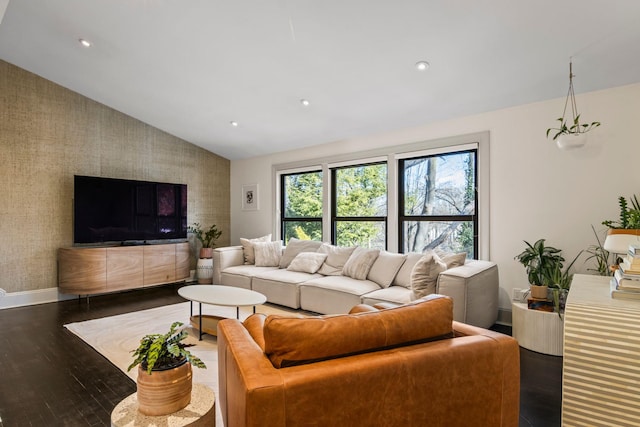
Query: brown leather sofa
403	366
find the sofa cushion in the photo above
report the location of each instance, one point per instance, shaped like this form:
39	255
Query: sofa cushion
452	259
247	247
360	262
294	341
395	294
336	258
307	262
385	268
267	254
424	275
403	278
296	246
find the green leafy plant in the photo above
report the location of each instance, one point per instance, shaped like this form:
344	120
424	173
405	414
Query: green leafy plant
207	237
600	255
164	350
575	128
540	261
560	283
629	216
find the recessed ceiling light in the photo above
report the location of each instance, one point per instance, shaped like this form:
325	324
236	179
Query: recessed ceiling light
304	102
422	65
233	123
85	43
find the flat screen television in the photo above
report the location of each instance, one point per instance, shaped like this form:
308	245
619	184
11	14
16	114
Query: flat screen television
108	210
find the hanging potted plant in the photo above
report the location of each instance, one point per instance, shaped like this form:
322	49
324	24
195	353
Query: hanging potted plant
164	372
571	133
540	261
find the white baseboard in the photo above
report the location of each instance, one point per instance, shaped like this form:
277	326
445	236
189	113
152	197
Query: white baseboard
504	317
39	296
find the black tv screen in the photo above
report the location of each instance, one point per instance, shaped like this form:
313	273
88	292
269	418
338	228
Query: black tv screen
108	210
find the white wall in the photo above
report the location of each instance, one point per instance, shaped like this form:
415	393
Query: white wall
537	191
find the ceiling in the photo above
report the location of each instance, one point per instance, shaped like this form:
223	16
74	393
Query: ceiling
190	67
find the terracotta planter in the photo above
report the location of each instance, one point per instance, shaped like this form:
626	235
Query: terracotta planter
206	253
164	392
538	292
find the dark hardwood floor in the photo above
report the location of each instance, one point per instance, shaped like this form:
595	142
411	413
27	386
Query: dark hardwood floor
49	377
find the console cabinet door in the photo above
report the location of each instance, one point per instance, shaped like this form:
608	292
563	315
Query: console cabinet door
82	270
124	268
159	264
182	261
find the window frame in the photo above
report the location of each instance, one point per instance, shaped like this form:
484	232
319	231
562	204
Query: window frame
334	203
479	140
283	219
403	217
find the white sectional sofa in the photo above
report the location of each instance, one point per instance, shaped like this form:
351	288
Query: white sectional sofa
473	286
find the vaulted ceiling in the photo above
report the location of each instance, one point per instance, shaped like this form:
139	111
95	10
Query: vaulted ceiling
191	67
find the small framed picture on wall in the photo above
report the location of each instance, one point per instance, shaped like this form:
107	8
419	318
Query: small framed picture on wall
250	197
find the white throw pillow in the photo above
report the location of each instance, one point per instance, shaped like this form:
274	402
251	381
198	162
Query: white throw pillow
307	262
336	258
424	276
268	253
247	247
452	259
360	262
296	246
385	268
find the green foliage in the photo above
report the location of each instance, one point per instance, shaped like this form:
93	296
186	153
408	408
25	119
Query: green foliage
303	199
207	238
600	255
163	350
360	192
540	262
576	127
629	217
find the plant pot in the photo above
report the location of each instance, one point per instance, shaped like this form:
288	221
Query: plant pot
538	292
205	271
165	391
206	253
570	141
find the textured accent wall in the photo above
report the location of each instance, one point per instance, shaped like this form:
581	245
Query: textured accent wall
48	134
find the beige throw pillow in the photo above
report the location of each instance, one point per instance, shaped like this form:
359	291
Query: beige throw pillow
451	259
247	247
385	268
336	258
296	246
268	253
424	276
360	262
306	262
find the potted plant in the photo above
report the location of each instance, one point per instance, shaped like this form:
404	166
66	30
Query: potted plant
540	261
206	237
164	371
560	283
625	230
571	134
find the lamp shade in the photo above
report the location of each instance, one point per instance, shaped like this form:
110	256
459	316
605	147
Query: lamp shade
618	240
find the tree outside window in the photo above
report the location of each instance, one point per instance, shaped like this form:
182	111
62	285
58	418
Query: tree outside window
302	206
438	203
360	205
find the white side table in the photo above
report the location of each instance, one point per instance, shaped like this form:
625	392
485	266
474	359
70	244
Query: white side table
536	330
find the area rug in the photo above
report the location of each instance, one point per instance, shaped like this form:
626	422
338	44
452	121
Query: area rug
116	336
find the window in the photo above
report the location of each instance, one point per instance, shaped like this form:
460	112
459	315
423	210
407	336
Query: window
359	205
438	203
405	198
301	206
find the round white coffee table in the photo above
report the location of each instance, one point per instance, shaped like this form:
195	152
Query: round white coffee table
227	296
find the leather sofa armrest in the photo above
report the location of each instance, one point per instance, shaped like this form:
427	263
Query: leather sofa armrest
224	257
250	388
